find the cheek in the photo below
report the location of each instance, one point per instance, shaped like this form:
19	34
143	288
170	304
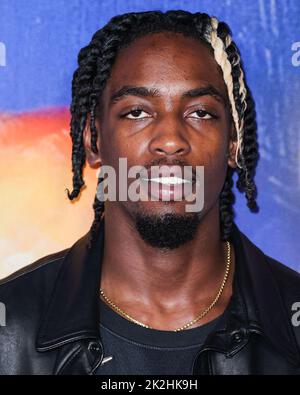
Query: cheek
215	167
112	146
211	149
119	144
117	147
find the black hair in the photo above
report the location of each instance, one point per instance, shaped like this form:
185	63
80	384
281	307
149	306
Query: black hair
95	63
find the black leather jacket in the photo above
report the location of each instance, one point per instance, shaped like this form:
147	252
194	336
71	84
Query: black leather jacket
52	316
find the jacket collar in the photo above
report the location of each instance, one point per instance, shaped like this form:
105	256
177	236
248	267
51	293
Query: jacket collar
256	305
73	311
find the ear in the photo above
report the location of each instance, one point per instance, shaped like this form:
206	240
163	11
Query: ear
93	159
232	149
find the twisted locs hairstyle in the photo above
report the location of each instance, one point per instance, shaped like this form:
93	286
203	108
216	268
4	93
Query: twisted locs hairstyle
95	62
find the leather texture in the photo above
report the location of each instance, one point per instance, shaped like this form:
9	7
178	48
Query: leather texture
52	316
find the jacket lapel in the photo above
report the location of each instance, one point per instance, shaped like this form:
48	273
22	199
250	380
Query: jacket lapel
256	306
72	315
258	279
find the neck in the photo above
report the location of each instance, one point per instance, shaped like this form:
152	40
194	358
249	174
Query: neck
156	284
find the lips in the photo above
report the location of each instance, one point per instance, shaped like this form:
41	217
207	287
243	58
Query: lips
170	174
167	182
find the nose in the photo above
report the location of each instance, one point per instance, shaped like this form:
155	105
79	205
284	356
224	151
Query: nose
169	138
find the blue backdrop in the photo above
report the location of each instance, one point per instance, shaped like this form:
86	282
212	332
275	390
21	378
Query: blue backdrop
40	41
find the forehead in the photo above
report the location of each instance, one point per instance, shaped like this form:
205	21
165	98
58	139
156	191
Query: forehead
168	61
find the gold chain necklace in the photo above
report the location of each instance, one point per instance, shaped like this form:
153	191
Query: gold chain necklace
207	310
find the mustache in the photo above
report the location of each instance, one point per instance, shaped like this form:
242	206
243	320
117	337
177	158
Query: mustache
165	162
158	162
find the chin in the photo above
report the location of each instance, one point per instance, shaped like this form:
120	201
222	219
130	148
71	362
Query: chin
166	229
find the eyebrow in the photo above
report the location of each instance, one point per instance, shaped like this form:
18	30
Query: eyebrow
127	90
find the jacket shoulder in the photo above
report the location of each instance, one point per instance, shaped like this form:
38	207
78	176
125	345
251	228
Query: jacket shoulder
25	293
24	296
286	277
48	264
288	281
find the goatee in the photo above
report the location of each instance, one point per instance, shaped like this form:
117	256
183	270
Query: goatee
168	231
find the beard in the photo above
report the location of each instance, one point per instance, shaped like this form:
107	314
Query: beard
168	231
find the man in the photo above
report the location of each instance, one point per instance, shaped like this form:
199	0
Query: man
152	288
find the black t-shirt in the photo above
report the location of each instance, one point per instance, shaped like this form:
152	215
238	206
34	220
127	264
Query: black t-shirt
142	351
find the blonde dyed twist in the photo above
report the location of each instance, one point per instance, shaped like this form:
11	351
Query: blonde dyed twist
221	58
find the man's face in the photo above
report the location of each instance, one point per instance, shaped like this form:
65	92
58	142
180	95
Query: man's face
172	126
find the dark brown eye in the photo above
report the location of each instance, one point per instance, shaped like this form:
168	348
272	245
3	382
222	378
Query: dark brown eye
201	114
136	114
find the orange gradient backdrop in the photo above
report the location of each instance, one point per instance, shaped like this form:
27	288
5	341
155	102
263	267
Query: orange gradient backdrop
37	218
